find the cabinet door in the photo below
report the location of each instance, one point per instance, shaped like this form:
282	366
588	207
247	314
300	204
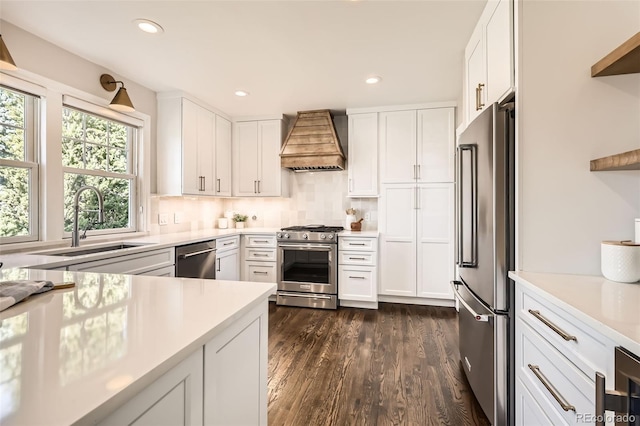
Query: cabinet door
498	42
436	145
228	265
363	155
398	240
190	179
264	272
397	132
206	151
435	241
475	72
223	157
245	159
357	283
269	170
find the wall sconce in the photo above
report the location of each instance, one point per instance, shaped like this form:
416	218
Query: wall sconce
6	61
121	101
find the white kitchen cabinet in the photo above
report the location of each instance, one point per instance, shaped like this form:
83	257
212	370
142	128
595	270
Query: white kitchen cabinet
417	145
149	262
228	258
357	271
194	148
363	155
256	159
259	258
235	375
416	241
176	398
489	58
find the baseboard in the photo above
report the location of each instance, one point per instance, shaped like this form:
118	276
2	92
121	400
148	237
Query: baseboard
358	304
417	301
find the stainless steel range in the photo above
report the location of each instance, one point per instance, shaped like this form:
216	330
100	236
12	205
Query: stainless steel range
308	266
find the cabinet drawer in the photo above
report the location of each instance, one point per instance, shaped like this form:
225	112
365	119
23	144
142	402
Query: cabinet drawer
357	258
362	244
357	283
264	272
228	243
587	348
260	240
539	362
268	255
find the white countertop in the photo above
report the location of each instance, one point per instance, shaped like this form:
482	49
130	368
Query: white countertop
610	307
75	355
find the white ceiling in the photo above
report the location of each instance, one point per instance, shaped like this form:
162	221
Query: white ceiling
290	55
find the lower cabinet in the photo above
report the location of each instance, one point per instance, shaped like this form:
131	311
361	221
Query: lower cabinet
228	258
222	383
357	272
259	258
264	272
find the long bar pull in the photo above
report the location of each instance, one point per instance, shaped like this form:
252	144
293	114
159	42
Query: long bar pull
566	336
467	206
552	390
188	255
478	317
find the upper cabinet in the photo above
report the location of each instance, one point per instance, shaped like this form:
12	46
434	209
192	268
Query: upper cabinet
198	141
417	145
256	159
489	58
363	156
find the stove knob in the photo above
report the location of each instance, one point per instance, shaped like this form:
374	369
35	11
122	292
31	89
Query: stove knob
305	236
279	235
322	236
286	235
331	236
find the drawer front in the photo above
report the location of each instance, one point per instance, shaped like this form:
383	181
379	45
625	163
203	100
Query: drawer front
357	283
529	412
357	258
260	240
268	255
228	243
360	244
588	349
261	272
538	362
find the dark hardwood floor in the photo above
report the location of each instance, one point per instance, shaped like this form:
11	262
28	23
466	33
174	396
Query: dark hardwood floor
398	365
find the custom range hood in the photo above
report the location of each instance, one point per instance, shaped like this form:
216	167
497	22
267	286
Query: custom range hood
312	143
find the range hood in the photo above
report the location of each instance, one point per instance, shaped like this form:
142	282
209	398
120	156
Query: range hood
312	143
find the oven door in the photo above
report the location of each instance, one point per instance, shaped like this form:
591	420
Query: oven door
307	268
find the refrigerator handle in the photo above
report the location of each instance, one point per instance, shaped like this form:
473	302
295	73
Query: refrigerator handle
478	317
462	261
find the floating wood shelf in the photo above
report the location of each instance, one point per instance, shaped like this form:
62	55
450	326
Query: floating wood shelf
626	161
624	59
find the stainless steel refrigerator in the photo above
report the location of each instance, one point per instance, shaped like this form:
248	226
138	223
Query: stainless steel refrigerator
485	254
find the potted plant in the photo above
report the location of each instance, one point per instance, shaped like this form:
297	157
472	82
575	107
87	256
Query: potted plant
240	219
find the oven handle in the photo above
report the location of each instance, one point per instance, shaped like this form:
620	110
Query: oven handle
306	247
305	296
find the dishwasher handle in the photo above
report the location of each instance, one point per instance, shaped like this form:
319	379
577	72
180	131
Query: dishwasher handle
195	253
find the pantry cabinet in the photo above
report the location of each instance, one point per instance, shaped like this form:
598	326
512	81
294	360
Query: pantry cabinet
200	140
489	58
363	155
256	159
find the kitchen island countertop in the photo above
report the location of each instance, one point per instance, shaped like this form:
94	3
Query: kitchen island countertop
73	356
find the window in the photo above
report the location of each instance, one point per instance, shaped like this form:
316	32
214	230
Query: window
19	119
100	152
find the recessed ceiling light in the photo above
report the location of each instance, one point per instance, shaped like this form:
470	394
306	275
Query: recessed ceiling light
241	93
148	26
373	79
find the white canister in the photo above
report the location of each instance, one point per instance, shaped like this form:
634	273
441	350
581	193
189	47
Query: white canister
620	261
350	219
638	230
223	223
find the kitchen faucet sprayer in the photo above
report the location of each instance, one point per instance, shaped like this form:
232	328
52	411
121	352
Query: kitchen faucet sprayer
75	235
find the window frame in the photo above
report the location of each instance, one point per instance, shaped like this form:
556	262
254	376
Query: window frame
32	132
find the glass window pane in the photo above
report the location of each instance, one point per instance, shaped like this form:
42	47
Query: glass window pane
118	135
14	201
116	201
118	161
12	107
96	129
71	153
72	124
12	143
95	157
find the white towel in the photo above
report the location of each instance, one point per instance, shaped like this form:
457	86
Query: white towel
12	292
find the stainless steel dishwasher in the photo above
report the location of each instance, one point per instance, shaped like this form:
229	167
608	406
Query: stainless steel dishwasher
196	260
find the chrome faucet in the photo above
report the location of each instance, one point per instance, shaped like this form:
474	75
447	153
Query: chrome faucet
75	235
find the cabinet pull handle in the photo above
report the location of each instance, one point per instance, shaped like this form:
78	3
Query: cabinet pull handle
255	186
350	185
218	269
418	177
552	390
566	336
259	187
414	172
229	243
261	241
260	255
356	244
357	258
360	278
260	273
217	185
479	103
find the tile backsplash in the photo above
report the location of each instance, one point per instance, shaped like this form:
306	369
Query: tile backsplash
315	198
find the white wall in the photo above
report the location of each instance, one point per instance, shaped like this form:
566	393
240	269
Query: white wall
566	118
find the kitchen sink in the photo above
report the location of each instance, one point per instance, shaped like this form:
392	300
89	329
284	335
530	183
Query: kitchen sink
79	251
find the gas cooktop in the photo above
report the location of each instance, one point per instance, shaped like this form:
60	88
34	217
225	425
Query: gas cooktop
314	228
317	233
